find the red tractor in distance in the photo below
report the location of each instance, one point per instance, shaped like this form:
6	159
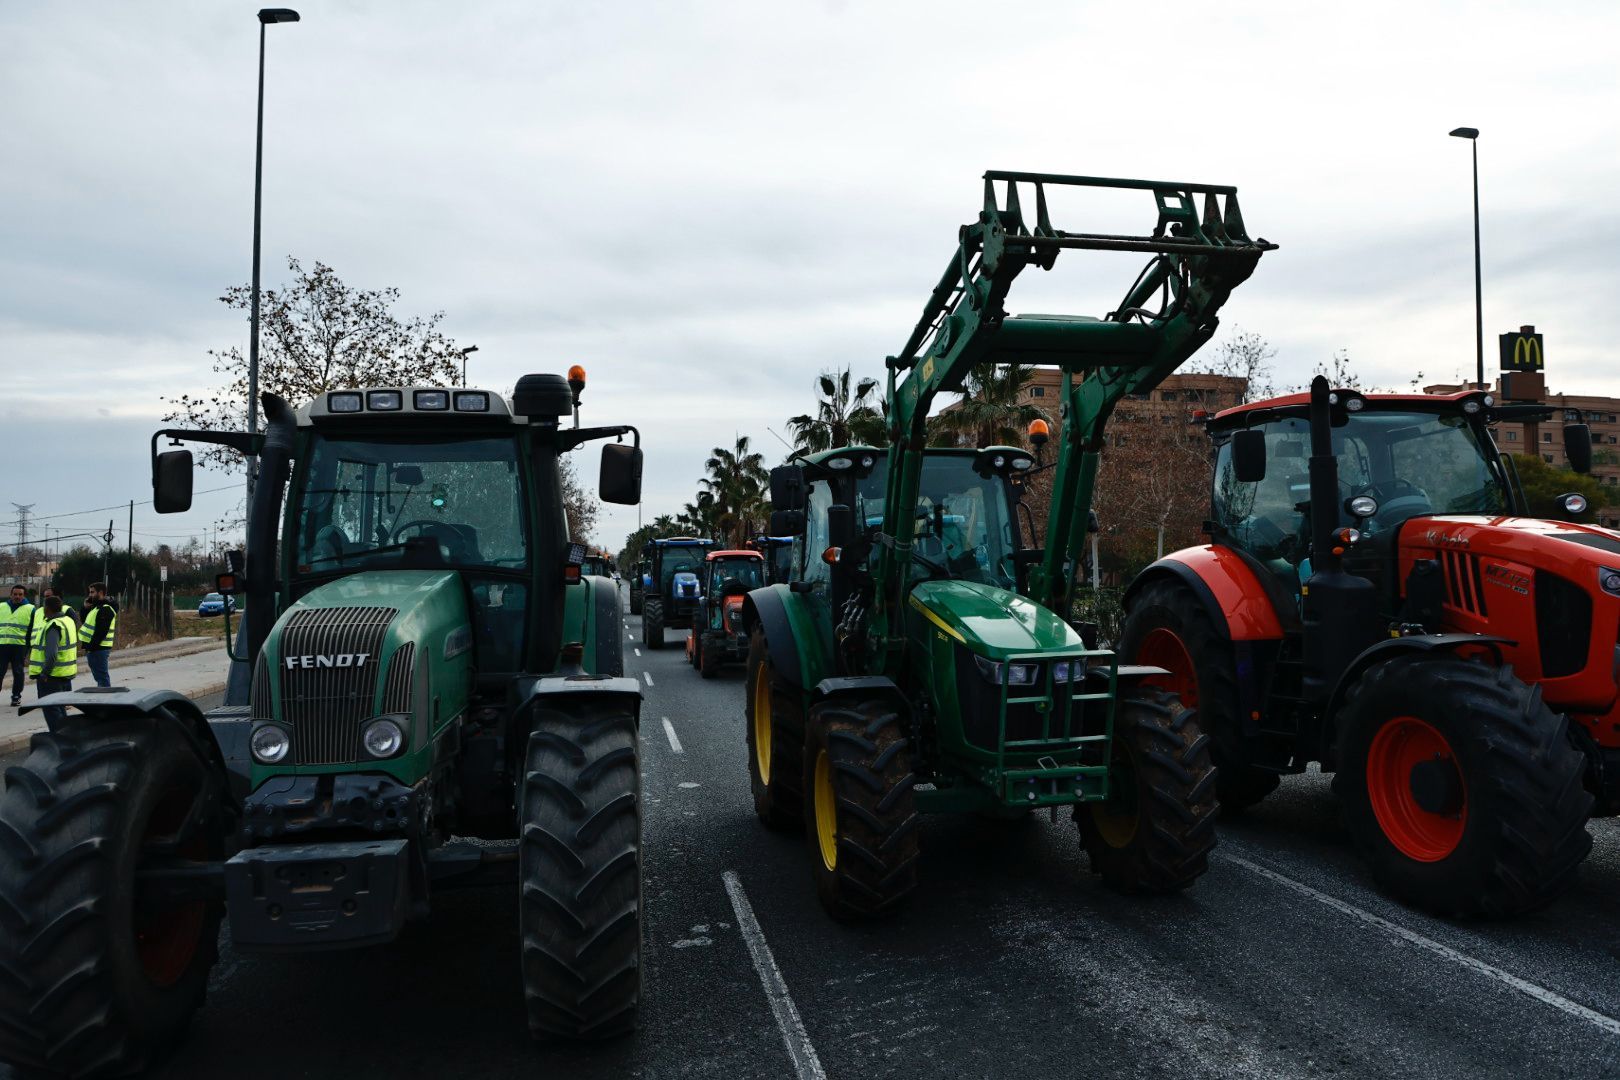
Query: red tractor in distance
1376	598
717	636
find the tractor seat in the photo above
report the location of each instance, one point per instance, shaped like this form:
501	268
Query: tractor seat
461	541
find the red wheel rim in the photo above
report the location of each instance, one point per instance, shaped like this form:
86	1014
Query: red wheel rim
167	938
1401	745
1163	648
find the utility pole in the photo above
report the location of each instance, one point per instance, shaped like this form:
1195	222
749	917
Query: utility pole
129	550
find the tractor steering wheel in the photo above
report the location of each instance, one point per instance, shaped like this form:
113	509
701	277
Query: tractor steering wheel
449	539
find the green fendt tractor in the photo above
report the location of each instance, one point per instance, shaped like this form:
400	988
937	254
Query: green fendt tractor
922	658
421	661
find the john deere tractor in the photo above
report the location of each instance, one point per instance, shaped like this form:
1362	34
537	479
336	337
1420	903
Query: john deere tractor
922	659
421	661
1375	598
669	586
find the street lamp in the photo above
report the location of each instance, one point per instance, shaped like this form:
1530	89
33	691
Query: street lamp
1472	135
464	352
266	17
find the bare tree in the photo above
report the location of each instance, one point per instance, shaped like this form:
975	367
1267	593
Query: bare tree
1242	355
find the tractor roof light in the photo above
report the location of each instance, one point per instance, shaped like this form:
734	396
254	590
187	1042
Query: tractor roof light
840	463
1363	506
472	401
1039	432
1355	404
1573	503
385	400
345	402
1472	406
430	400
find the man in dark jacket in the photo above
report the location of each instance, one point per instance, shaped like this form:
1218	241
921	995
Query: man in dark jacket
96	630
16	616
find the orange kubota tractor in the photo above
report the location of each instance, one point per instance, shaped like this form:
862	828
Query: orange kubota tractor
1376	598
717	636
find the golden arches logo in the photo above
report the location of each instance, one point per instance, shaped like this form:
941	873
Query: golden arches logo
1527	353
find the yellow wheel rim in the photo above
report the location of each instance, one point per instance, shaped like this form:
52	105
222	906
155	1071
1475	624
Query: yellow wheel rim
1117	817
826	813
762	723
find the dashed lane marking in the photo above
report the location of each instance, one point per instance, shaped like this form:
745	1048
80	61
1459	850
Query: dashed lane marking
648	676
674	739
805	1062
1412	937
638	652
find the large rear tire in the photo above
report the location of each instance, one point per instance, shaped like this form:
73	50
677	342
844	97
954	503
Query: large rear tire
579	866
1461	787
860	814
1169	627
708	659
635	601
652	622
1154	832
775	738
98	980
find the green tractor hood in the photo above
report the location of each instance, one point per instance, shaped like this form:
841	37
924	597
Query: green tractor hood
394	642
989	621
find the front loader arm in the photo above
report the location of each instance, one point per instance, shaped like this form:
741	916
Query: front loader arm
1164	318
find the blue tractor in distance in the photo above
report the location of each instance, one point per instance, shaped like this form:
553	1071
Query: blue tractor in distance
669	585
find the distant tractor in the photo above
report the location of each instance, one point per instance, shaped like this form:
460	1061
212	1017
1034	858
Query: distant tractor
1374	598
597	564
921	658
420	659
717	637
669	584
638	579
778	552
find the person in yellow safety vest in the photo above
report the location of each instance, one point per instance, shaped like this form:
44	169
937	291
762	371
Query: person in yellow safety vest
96	632
53	656
16	616
37	623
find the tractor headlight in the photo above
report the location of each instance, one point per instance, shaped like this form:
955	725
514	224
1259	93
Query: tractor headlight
1610	580
270	744
1068	671
1007	674
382	738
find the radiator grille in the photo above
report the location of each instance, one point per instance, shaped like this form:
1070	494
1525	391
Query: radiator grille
401	679
1465	588
324	705
261	688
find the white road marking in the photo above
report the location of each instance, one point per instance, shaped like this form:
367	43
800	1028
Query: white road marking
648	676
638	652
1461	959
674	740
803	1055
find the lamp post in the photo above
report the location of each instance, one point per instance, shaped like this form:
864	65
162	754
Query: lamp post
1472	135
464	352
266	17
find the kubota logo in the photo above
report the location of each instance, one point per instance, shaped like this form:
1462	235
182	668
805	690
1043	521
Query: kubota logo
321	660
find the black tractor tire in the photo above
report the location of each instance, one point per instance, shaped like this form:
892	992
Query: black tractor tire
709	659
1520	829
579	867
652	622
635	601
859	809
1167	607
1154	832
92	983
774	723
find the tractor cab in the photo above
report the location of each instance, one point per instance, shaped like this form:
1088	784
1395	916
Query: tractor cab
778	553
717	636
1399	457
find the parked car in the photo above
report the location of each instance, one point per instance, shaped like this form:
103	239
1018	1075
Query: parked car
216	604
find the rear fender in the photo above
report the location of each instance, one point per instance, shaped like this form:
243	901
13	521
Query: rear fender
1238	601
607	628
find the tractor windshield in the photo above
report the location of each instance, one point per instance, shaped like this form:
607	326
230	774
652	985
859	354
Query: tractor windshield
673	560
377	502
1410	463
747	573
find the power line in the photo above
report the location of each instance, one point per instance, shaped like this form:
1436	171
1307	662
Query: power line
23	515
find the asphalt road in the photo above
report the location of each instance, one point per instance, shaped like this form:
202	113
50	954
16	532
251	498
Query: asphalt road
1013	961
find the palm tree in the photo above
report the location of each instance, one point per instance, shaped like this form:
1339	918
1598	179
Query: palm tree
843	417
735	488
991	412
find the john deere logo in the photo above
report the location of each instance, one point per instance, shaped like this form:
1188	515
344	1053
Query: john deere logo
334	660
1522	351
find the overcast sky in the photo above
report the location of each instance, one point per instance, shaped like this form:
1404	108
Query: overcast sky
705	204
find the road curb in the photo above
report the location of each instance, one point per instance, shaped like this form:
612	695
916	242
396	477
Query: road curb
18	741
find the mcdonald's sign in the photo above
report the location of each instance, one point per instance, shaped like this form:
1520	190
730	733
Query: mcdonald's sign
1521	350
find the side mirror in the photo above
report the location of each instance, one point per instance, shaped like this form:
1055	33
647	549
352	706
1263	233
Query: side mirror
787	488
840	525
171	481
620	480
787	523
1578	447
1249	455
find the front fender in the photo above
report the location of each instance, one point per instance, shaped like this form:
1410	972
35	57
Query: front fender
798	651
1404	646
